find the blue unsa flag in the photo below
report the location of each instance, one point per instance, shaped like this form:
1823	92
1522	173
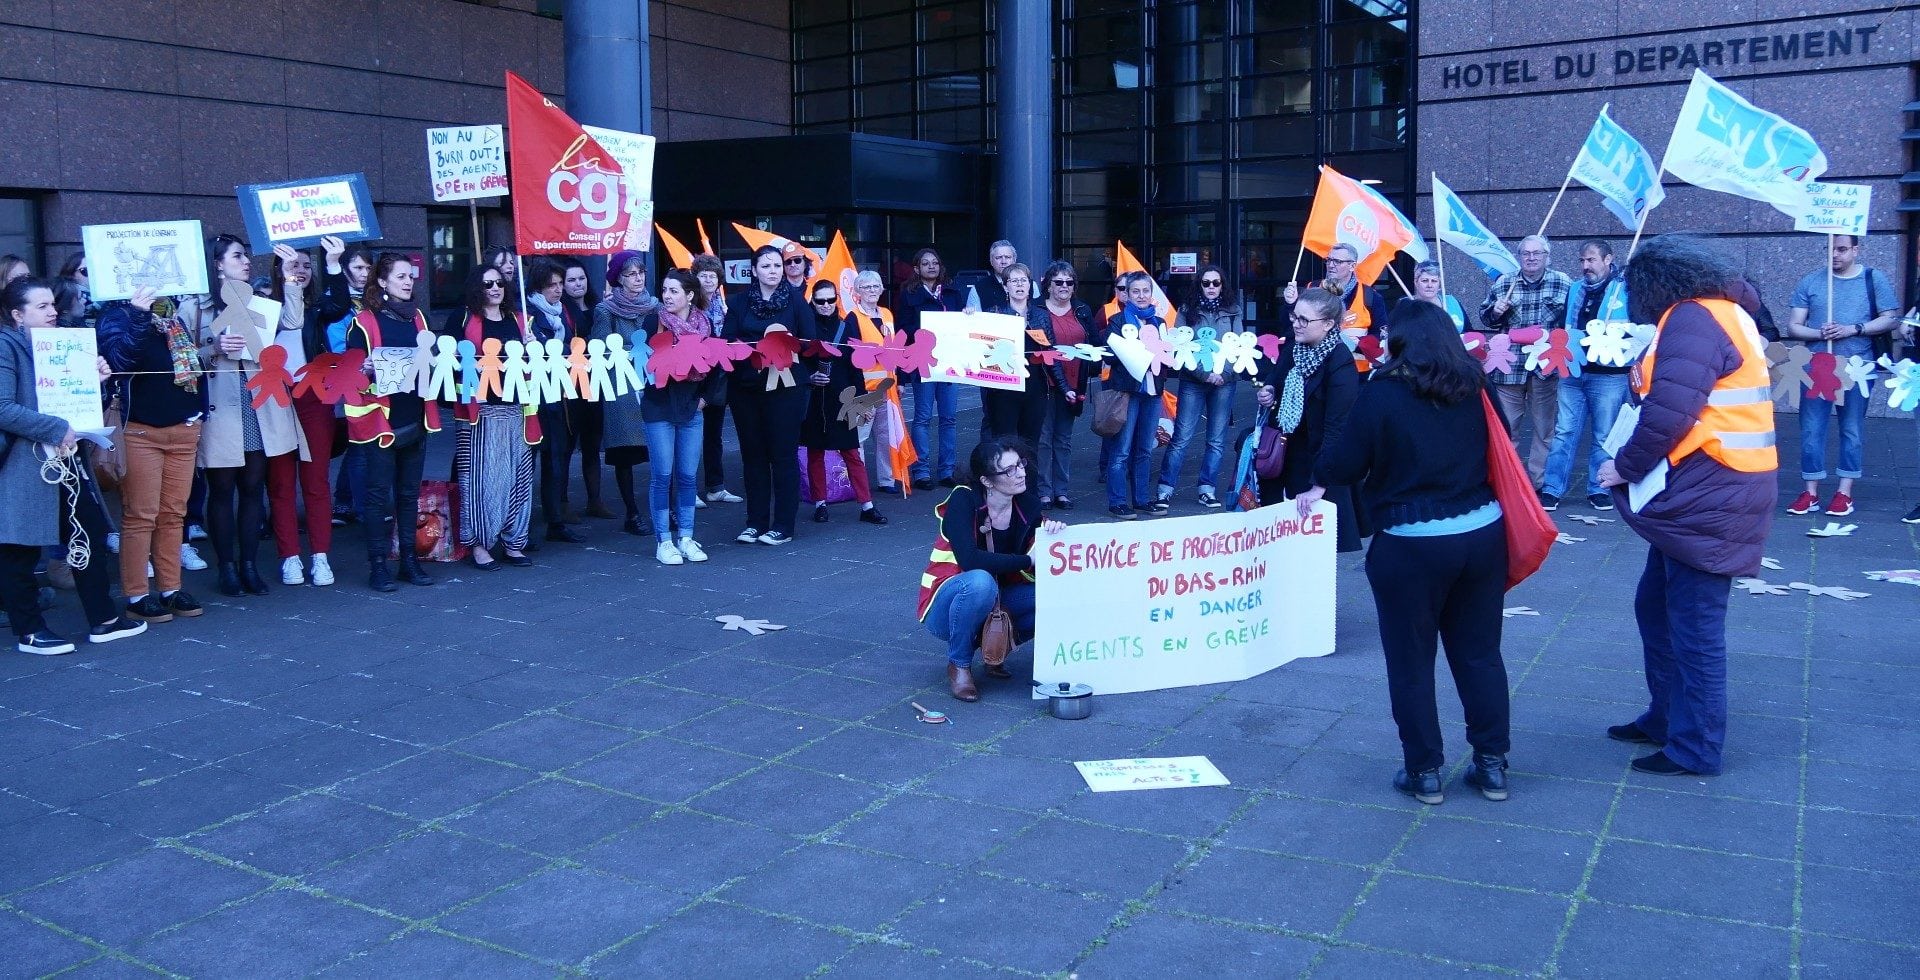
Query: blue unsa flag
1458	227
1614	164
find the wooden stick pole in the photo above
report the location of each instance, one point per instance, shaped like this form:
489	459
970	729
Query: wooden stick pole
1830	290
1644	211
473	215
1297	259
1396	278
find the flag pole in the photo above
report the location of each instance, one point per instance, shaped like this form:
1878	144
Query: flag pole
1297	259
1642	226
1830	290
1409	292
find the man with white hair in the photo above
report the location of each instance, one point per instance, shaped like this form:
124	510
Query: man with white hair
1537	297
1001	256
1365	309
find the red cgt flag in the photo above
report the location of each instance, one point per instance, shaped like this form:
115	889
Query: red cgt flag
569	193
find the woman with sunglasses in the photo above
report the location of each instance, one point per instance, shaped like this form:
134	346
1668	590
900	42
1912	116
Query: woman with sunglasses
823	428
1070	322
768	420
980	558
239	438
1203	391
1307	394
623	434
1022	413
495	438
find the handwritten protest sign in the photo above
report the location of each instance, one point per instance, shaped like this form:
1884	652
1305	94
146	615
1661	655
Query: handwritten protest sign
1835	209
634	152
1179	772
465	162
299	213
66	376
980	349
1194	600
394	369
161	255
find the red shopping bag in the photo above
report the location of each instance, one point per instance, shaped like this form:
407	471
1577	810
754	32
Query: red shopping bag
1530	532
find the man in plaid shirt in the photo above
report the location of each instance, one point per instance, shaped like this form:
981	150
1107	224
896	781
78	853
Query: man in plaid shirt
1536	298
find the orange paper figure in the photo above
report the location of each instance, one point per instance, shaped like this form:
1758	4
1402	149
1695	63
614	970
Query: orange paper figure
269	383
579	372
490	367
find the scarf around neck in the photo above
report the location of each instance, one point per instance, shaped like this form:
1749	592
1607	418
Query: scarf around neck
695	325
1293	394
769	307
628	306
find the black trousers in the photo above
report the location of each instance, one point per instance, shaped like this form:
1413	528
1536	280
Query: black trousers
1448	589
768	423
393	486
556	460
713	453
21	594
1014	413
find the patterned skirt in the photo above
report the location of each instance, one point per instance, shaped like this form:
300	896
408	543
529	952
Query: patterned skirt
495	468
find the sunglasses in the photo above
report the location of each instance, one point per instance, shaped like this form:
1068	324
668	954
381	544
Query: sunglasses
796	261
1061	282
492	283
828	301
1211	282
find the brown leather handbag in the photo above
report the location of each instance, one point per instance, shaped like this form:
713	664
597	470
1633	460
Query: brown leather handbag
996	634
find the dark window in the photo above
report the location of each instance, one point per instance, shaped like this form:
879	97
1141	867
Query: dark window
915	69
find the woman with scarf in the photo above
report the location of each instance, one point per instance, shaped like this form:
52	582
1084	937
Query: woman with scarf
547	319
673	420
1021	413
1072	322
493	451
239	438
1203	391
624	433
304	476
823	428
391	429
1307	394
1130	451
585	418
713	485
768	421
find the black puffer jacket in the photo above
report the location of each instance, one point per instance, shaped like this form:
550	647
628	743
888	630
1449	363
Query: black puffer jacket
1710	517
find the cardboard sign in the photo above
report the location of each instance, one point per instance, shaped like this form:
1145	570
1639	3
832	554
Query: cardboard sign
161	255
1183	263
394	369
1218	597
986	350
301	212
266	325
465	162
1835	209
66	375
1179	772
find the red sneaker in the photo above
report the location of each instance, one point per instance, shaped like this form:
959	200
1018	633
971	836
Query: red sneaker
1806	503
1841	506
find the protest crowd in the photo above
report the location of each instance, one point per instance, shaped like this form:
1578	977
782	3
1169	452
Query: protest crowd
229	431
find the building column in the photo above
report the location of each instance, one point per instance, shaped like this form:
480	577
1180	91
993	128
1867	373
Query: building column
1025	122
609	68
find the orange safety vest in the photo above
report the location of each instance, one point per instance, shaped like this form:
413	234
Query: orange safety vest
941	564
1736	427
874	333
367	414
470	411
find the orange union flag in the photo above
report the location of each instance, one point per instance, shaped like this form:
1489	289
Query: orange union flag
569	193
1347	212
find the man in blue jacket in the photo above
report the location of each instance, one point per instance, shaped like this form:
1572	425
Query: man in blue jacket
1598	391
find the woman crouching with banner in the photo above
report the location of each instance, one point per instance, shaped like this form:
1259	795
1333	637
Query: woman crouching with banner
980	564
394	427
1416	444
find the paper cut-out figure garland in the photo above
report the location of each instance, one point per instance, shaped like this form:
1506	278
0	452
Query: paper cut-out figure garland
312	382
469	371
1560	357
441	385
235	318
1857	371
601	371
1832	530
579	371
491	368
1513	611
751	627
513	381
1757	586
1903	388
1501	356
778	351
1832	591
857	410
271	382
1903	576
1823	378
1607	343
626	376
1239	353
1787	366
348	377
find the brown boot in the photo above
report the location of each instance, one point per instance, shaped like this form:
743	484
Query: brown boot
961	678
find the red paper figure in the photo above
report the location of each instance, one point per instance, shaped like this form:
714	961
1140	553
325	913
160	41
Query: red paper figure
1823	377
269	384
347	377
671	362
777	351
1522	336
579	368
1370	348
490	368
1476	343
312	380
1558	359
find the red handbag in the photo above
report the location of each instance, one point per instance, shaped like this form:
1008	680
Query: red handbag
1530	532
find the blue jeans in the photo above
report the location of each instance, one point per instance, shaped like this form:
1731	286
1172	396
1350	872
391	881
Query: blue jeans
1682	613
673	454
1814	413
1130	454
1589	397
928	398
1197	397
961	606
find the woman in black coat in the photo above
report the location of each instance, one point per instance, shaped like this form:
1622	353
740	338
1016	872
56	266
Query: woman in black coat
768	421
1022	413
823	429
1307	393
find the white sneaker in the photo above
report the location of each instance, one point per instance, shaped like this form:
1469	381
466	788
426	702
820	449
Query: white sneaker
322	570
292	572
723	496
113	542
748	536
196	533
190	558
699	502
667	554
691	550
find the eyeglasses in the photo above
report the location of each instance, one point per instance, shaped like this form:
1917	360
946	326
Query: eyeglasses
1340	261
1211	282
1533	253
1019	466
1061	282
828	301
1303	321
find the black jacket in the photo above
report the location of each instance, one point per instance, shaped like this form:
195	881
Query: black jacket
915	300
1327	401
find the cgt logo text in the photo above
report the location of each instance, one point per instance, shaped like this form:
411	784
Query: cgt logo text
583	182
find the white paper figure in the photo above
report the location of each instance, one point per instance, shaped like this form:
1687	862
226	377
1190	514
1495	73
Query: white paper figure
625	378
423	361
1186	350
444	386
599	372
1858	372
1537	350
1240	352
1770	563
558	383
1759	586
1832	530
513	374
1832	591
1565	538
1904	576
1607	343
